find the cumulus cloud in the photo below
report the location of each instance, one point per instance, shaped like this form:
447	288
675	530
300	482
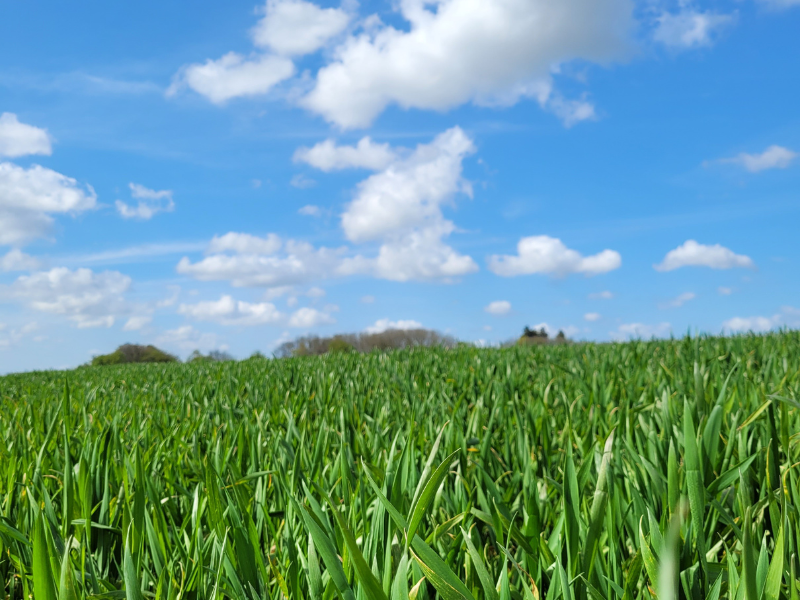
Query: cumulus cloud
233	76
16	260
641	331
787	316
592	317
288	28
382	325
244	243
419	255
498	307
679	300
29	196
458	51
86	298
228	311
542	254
366	154
690	28
20	139
188	338
304	318
296	27
402	207
692	254
137	322
754	324
410	192
151	202
287	263
774	157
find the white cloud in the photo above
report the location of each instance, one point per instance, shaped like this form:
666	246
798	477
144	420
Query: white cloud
19	139
188	338
244	243
641	331
29	196
416	256
367	299
604	295
546	255
289	263
86	298
310	317
302	182
151	202
498	307
227	311
788	316
382	325
679	300
327	156
724	291
309	210
296	27
754	324
402	207
592	317
409	193
460	51
692	254
315	292
774	157
690	28
233	76
136	322
16	260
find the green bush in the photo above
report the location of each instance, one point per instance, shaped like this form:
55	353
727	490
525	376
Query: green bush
133	353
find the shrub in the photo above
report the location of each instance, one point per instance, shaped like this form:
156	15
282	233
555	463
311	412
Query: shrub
133	353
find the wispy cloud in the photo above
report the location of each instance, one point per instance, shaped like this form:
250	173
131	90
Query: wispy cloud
131	254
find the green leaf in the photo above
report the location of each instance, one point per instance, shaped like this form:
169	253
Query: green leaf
772	587
372	587
427	495
132	588
43	585
66	587
650	563
327	551
480	568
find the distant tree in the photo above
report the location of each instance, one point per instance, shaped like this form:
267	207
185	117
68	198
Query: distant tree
392	339
339	345
213	356
133	353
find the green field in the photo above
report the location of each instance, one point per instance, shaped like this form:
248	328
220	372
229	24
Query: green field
656	469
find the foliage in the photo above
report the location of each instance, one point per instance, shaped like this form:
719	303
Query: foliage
391	339
531	337
213	356
133	353
657	469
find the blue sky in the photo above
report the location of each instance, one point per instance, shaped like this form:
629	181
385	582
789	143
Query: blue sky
233	175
